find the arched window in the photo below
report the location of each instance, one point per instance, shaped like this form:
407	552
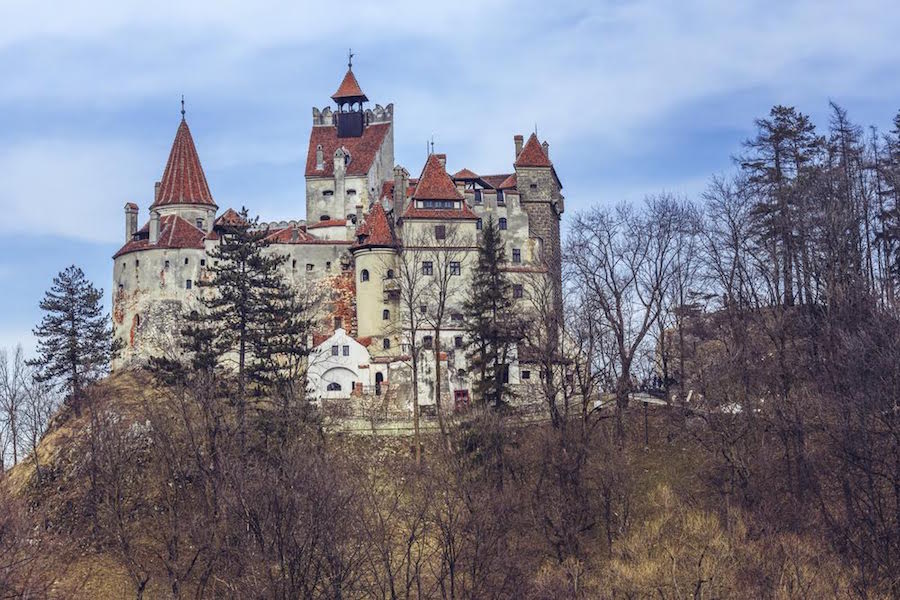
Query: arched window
364	275
385	314
325	218
334	387
386	344
390	274
502	223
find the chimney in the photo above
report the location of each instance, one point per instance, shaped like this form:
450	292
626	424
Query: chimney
154	227
518	139
156	187
131	213
401	184
359	208
546	148
442	158
320	158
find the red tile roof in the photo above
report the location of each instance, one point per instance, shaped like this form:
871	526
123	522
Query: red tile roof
349	88
434	183
328	223
465	174
174	233
510	182
533	155
230	218
495	181
362	149
297	235
183	181
375	229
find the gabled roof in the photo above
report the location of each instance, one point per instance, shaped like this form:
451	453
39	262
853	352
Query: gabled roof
495	180
375	229
174	233
532	154
434	183
328	223
296	234
183	181
230	218
465	174
349	89
362	149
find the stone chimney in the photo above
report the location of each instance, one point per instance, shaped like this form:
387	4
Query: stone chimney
320	158
154	227
546	147
359	218
131	213
156	191
442	158
401	184
519	140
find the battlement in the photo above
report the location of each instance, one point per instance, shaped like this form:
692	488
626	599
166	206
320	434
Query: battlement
379	114
274	225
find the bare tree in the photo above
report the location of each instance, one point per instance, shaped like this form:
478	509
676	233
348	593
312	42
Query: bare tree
13	375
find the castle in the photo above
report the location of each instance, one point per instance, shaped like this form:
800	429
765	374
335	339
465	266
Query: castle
366	220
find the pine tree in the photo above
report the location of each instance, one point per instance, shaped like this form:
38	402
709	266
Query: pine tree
75	342
492	326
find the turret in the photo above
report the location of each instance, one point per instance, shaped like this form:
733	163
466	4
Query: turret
154	226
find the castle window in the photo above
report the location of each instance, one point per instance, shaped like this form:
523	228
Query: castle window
294	264
456	317
309	266
199	223
328	193
137	263
427	267
518	291
428	342
458	342
185	261
335	351
437	204
386	344
328	266
167	264
423	309
478	224
338	323
440	232
121	286
501	201
502	223
533	186
188	284
517	255
526	374
390	274
334	387
325	218
385	314
478	196
454	267
364	275
351	192
460	372
202	262
346	350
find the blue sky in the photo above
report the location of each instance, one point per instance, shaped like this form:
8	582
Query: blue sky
634	98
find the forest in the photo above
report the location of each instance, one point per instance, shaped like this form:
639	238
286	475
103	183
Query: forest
764	314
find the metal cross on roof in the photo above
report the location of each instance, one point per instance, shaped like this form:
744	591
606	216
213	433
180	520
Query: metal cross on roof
350	59
182	106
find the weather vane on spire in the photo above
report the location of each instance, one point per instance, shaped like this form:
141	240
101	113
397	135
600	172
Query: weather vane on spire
350	59
182	107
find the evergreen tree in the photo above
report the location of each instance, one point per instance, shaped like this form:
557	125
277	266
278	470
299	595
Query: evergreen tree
75	342
491	323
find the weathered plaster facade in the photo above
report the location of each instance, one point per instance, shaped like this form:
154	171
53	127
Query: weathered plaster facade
364	217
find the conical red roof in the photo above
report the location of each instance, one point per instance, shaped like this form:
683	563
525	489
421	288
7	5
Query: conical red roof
434	183
533	155
349	88
376	229
183	181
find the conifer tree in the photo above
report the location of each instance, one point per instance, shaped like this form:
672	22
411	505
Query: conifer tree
75	342
491	323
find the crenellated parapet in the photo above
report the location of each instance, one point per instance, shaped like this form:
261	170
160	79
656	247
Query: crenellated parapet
379	114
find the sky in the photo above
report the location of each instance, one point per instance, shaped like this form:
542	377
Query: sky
634	97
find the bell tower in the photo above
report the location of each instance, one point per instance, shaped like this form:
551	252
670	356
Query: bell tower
349	97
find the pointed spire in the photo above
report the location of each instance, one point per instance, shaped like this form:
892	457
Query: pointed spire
182	107
532	154
183	181
349	90
435	183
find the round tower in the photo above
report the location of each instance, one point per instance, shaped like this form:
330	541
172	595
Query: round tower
377	281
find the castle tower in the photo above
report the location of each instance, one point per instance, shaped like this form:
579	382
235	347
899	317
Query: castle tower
377	283
541	196
351	154
183	190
